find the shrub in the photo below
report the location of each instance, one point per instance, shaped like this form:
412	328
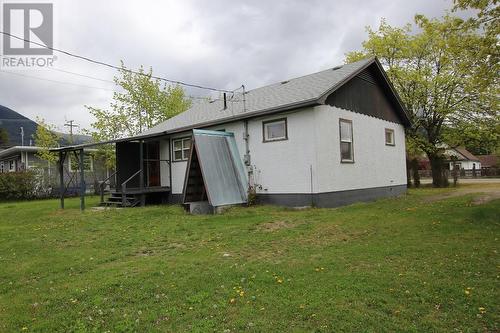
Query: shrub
18	185
252	196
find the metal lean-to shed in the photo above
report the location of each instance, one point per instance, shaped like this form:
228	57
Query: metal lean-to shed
215	175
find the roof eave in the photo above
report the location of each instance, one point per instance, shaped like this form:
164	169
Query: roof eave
269	111
404	112
310	102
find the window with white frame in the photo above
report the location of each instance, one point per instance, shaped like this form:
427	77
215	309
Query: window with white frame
181	148
389	137
346	142
275	130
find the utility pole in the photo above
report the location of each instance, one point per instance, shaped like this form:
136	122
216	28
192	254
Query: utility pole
21	129
69	123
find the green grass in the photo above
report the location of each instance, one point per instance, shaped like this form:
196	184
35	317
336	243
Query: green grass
394	265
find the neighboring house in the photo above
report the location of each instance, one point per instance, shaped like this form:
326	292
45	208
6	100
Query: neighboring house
14	156
325	139
489	161
461	157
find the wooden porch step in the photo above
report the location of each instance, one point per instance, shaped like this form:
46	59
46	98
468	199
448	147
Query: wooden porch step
115	199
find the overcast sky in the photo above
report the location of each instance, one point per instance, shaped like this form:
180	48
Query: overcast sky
217	43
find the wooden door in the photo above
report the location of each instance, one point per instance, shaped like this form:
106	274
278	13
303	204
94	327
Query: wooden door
152	163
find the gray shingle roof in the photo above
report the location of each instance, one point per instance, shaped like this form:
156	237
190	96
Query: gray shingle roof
467	154
293	92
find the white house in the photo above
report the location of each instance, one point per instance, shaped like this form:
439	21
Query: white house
324	139
462	158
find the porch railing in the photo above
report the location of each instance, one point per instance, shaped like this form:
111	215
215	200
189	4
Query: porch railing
102	184
124	186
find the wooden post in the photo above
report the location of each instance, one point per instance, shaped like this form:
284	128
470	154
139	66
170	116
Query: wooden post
62	157
141	174
82	181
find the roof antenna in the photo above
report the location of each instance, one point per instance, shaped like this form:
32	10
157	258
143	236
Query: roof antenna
21	131
244	99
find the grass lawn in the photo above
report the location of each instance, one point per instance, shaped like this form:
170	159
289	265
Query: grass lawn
405	264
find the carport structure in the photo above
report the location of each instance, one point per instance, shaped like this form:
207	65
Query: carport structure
137	171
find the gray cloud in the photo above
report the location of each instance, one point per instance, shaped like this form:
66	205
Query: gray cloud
216	43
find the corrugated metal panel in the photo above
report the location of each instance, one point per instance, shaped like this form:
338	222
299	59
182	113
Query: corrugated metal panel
367	76
361	96
223	172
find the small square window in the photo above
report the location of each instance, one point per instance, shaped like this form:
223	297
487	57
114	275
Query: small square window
182	149
275	130
389	137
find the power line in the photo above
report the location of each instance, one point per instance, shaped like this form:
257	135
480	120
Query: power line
83	86
113	66
55	81
82	75
109	81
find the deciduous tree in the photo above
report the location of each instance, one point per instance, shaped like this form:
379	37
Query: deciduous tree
46	138
4	137
446	72
140	103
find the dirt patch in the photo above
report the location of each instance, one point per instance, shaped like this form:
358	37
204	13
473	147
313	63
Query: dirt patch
274	226
487	194
485	198
144	253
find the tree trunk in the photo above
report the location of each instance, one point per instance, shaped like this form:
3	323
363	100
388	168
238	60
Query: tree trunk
408	173
439	176
416	175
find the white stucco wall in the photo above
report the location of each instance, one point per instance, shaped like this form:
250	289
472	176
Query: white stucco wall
178	168
375	163
313	145
164	156
280	166
285	166
467	165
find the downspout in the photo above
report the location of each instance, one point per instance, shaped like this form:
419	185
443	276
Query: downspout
246	137
170	166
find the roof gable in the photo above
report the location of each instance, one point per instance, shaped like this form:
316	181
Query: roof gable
369	93
466	154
